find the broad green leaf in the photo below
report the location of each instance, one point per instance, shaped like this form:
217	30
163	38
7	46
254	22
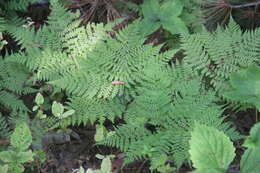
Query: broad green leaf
208	171
4	169
57	109
67	113
106	165
21	138
150	26
39	99
23	157
150	8
210	148
7	156
245	86
16	168
100	133
175	25
253	140
250	161
171	8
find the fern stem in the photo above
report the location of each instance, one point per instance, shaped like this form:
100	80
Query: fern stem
245	5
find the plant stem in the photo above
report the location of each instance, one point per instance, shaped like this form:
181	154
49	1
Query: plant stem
245	5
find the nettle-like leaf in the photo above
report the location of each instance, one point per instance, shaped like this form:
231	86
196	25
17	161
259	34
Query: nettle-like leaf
253	141
166	15
210	148
250	162
245	86
21	139
4	169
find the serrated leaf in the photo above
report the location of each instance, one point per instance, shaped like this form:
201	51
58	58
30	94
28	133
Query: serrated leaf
23	157
253	140
171	8
4	169
210	148
245	86
175	25
39	99
16	168
21	138
7	156
106	165
250	161
57	109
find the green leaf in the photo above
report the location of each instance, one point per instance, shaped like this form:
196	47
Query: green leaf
39	99
4	169
210	148
67	113
57	109
250	162
106	165
245	86
175	25
150	9
7	156
171	8
35	108
16	168
99	156
23	157
21	139
208	171
100	133
253	140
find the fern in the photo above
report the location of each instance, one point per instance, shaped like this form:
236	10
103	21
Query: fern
216	55
91	110
172	112
12	5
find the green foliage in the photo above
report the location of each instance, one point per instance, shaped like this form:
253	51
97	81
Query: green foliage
215	56
12	5
212	151
245	86
171	107
18	153
250	161
210	148
253	141
171	15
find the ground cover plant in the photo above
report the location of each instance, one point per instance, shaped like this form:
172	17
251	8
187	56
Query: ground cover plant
144	86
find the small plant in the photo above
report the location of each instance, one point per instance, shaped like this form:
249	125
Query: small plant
166	14
18	152
211	151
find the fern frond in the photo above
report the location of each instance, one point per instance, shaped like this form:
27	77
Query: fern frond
216	55
4	129
92	110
